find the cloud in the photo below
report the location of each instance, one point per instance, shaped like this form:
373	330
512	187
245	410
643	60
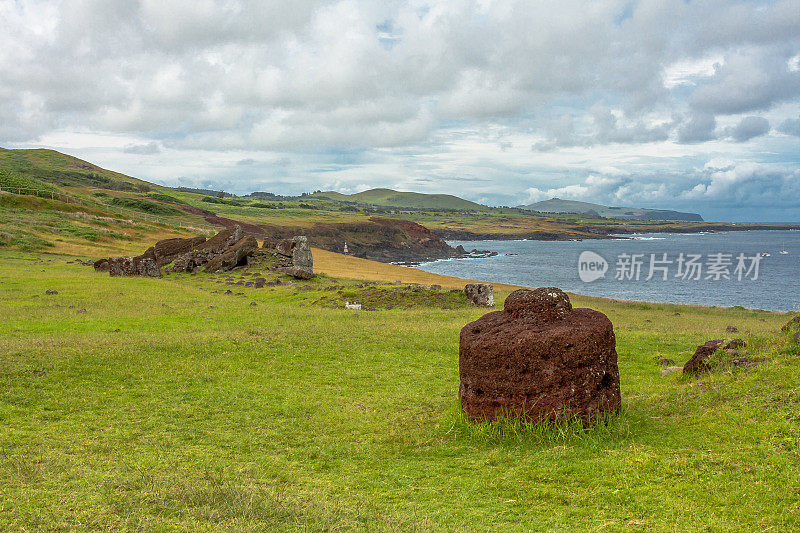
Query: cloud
413	87
699	128
142	149
790	126
749	128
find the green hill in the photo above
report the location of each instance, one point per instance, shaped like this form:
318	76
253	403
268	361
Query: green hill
557	205
67	171
415	200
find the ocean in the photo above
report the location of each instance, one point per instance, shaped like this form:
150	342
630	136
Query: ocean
737	268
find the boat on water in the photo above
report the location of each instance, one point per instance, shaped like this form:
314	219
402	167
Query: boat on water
765	254
784	252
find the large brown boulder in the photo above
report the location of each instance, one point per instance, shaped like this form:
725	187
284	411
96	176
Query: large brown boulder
700	361
539	358
235	255
133	266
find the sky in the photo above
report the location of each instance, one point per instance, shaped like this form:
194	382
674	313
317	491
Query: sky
672	104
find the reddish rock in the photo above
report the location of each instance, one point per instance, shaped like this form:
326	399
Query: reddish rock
699	361
539	358
133	266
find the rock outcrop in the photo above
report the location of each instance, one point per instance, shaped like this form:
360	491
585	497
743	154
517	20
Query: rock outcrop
480	294
133	266
699	362
539	358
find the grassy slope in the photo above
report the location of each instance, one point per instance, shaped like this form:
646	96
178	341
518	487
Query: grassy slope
65	170
166	406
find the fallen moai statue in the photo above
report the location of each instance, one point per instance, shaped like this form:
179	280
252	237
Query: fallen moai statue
539	358
224	251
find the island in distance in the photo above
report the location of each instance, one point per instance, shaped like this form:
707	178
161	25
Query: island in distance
557	205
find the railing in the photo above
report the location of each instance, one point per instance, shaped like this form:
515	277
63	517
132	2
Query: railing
53	195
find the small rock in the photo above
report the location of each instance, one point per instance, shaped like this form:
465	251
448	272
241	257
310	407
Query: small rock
356	306
671	370
665	361
81	310
792	324
732	329
480	294
253	304
51	291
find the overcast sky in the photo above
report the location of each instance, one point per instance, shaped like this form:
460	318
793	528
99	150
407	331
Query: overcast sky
657	103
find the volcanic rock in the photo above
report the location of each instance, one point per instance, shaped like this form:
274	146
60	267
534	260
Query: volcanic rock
480	294
539	358
133	266
302	263
234	256
732	329
794	323
699	361
167	250
101	265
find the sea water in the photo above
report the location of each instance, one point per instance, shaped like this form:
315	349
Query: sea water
726	275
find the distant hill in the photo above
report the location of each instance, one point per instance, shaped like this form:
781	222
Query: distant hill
556	205
390	198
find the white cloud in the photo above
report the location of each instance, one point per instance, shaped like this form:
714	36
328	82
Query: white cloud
444	91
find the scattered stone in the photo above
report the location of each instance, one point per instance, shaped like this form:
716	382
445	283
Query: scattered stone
229	291
133	266
436	287
699	361
480	294
665	361
676	314
794	323
101	265
81	310
732	329
671	369
259	283
539	358
353	305
253	304
51	291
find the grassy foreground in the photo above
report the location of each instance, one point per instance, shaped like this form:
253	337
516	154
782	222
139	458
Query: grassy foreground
159	404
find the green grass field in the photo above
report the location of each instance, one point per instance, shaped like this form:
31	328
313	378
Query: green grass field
159	405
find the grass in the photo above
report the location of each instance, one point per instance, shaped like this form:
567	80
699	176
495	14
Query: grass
169	405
